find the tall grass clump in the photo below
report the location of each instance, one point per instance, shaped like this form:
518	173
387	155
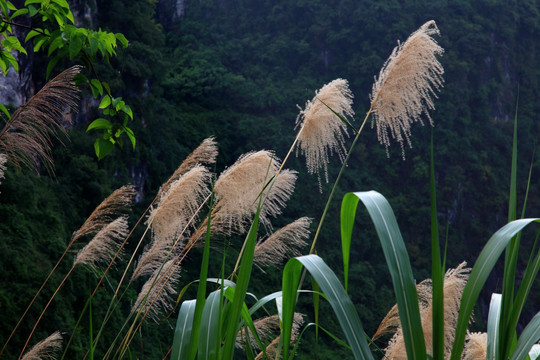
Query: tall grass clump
219	215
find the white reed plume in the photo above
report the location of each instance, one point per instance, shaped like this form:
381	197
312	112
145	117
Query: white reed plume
3	160
408	80
321	131
238	188
273	348
170	219
454	283
282	244
205	153
45	349
475	347
105	245
158	294
266	327
114	205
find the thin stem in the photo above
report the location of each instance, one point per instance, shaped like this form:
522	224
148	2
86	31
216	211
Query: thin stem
45	309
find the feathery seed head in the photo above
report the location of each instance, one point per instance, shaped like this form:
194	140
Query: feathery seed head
103	247
113	206
283	244
238	187
475	347
205	153
265	327
321	131
179	204
158	294
3	160
272	349
28	135
408	80
45	349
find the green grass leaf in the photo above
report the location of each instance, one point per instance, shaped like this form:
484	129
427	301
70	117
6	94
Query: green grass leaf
182	332
528	338
337	297
479	274
399	266
493	326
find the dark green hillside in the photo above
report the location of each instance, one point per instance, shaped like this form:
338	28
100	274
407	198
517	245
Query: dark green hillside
237	70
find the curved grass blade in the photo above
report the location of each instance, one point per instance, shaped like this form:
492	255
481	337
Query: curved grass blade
336	295
398	262
479	274
534	353
528	338
493	326
182	332
210	324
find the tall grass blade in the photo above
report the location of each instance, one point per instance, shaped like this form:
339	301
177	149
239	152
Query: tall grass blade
91	344
493	326
479	274
529	336
201	291
534	353
182	332
336	295
437	271
510	261
210	325
244	275
397	259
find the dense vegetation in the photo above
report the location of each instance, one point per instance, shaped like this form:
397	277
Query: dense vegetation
236	70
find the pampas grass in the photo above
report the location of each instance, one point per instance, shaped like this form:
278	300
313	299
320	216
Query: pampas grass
45	349
28	135
321	131
475	347
265	327
454	283
283	244
157	295
408	80
3	160
105	245
272	350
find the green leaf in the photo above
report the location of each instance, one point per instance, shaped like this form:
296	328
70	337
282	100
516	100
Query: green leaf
97	84
51	65
99	124
209	341
31	35
183	329
11	59
337	297
479	274
399	266
75	45
32	11
103	148
106	101
130	135
19	13
80	79
122	39
5	111
493	326
534	353
528	338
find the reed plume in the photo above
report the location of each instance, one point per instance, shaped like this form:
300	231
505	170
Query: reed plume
3	160
408	80
171	218
239	186
265	327
205	153
454	283
45	349
272	349
157	295
321	131
283	244
113	206
29	133
105	244
475	347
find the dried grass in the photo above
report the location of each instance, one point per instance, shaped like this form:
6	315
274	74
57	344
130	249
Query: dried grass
45	349
475	347
110	208
3	160
28	135
321	131
105	245
408	80
283	244
272	349
158	294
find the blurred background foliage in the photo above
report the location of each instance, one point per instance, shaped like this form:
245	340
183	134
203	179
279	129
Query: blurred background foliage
237	70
